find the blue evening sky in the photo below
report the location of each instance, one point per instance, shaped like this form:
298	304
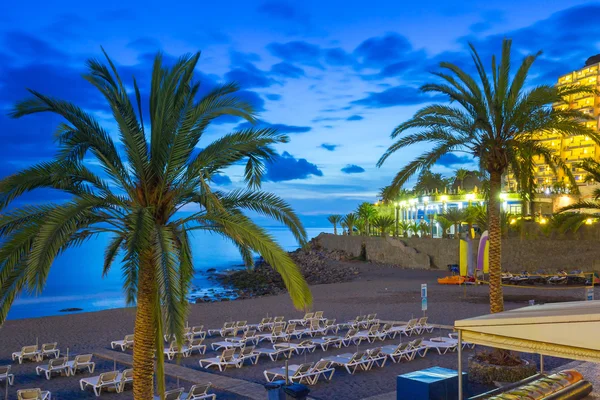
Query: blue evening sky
336	75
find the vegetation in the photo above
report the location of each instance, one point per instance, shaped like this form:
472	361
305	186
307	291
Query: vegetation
366	212
384	224
494	117
134	195
349	222
335	220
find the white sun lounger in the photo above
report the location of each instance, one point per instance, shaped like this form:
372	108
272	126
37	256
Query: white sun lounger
275	335
304	346
369	335
223	361
55	365
104	380
264	324
27	353
422	326
81	362
33	394
5	374
351	361
322	368
296	373
327	341
170	337
377	357
249	336
274	353
441	345
246	353
174	350
124	344
197	344
49	349
399	352
304	320
197	332
346	340
418	347
174	394
314	328
330	325
356	323
454	338
199	392
227	328
125	377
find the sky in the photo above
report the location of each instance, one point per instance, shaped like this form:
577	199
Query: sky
336	76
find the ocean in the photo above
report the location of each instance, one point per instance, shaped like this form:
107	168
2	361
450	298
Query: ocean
75	279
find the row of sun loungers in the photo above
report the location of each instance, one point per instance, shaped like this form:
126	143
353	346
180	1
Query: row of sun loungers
36	354
197	392
63	366
112	379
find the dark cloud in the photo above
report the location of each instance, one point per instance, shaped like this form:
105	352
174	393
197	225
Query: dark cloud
397	96
221	180
239	58
337	57
281	128
353	169
355	117
329	146
273	96
297	52
286	168
248	76
382	50
27	46
451	160
479	27
325	119
145	44
280	9
287	70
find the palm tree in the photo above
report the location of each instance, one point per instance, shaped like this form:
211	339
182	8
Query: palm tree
366	212
350	220
384	223
334	219
460	176
592	167
490	118
445	224
574	216
404	227
136	195
423	228
456	217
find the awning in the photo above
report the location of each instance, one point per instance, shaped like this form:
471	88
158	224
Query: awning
569	330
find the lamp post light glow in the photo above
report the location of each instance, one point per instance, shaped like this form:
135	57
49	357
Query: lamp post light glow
589	221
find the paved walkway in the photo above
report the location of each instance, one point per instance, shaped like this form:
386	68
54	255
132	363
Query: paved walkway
236	386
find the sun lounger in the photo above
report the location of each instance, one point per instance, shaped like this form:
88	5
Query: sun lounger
391	331
399	352
170	337
314	328
351	361
371	319
304	320
275	335
369	335
197	332
295	373
174	349
377	357
265	324
322	368
27	353
124	378
418	347
199	392
454	337
330	325
81	362
408	329
196	344
356	323
223	361
249	336
278	319
246	353
227	328
327	341
441	345
33	394
319	316
274	353
346	340
55	365
5	374
422	326
104	380
174	394
49	349
124	344
299	348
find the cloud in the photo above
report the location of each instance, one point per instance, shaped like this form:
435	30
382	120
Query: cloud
273	96
300	52
329	146
280	9
355	117
145	44
221	180
286	168
248	76
281	128
451	159
287	70
353	169
396	96
27	46
337	57
382	50
325	119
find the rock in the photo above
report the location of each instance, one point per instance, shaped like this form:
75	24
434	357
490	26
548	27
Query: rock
73	309
211	270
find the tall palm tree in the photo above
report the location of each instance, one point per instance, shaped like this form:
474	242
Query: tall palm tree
350	221
445	224
592	167
366	212
491	118
135	194
384	223
460	175
455	217
574	216
334	219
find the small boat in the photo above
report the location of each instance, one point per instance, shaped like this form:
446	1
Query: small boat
522	279
576	277
506	277
451	280
559	279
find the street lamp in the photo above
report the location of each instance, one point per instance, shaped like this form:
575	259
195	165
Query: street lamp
397	210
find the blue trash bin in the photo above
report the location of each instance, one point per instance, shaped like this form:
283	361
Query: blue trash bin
275	390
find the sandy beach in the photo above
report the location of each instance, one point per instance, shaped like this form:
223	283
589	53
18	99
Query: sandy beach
392	293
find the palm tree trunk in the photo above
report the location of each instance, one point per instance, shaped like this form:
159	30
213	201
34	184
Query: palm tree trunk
143	349
496	297
335	229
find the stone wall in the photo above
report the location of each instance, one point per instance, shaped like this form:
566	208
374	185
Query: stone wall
517	254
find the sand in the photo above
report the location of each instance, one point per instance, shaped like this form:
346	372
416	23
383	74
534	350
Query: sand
392	293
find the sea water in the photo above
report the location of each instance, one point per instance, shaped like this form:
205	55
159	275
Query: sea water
75	280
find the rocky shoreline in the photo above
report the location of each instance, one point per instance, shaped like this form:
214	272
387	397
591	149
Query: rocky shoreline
318	266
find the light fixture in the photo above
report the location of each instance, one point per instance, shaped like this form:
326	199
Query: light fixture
470	196
589	221
444	198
